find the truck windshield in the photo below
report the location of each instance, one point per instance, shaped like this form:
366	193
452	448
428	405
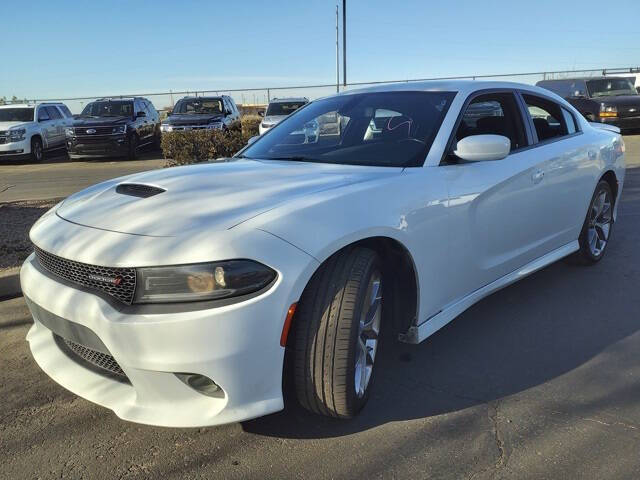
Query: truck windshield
108	109
389	129
610	87
16	114
199	106
283	108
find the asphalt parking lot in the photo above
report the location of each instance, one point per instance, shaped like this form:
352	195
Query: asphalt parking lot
540	380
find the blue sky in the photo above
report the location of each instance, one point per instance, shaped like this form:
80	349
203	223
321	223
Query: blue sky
60	49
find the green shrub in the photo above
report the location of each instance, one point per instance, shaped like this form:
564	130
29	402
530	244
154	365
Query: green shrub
186	147
193	146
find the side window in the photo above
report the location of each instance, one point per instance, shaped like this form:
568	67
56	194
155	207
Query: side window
53	113
137	104
65	110
547	116
493	113
569	121
151	108
42	114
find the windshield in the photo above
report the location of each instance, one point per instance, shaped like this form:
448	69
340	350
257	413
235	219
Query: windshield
610	87
16	114
199	106
282	108
392	129
108	109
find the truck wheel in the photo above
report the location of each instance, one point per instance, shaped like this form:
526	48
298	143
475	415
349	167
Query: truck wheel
37	152
133	147
336	334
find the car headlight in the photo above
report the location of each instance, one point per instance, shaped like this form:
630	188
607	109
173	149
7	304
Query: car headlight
165	127
69	132
202	281
608	111
17	134
119	129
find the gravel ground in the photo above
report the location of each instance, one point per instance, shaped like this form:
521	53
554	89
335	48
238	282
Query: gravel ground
16	220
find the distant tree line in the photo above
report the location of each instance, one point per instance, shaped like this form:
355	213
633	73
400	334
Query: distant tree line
14	99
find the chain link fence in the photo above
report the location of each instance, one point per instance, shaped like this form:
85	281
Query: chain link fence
250	99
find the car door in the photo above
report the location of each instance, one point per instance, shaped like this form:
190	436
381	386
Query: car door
494	206
47	129
57	126
568	166
141	122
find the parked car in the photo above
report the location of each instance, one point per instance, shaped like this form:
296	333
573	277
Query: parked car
27	130
199	113
181	296
279	109
113	127
610	100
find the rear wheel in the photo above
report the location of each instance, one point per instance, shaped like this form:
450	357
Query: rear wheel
37	151
598	224
336	334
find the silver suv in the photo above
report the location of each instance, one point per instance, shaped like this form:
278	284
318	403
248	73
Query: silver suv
279	109
27	130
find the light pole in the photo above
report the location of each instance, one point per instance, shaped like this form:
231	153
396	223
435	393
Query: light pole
344	42
337	54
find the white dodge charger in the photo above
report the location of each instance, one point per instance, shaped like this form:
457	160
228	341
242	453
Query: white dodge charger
177	297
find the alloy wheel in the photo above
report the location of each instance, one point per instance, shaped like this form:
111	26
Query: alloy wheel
368	334
599	227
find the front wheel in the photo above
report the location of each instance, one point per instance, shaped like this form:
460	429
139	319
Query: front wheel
336	334
597	226
132	153
37	151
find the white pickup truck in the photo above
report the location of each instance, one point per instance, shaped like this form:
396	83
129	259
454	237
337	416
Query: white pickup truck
27	130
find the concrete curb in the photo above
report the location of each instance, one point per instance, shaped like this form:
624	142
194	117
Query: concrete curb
10	283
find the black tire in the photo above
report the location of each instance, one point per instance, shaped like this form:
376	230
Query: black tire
587	253
37	151
133	147
327	329
590	117
157	140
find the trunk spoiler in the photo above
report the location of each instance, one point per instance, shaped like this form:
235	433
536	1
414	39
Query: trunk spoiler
604	126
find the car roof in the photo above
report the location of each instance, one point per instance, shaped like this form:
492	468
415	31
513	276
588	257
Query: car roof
18	105
462	86
289	99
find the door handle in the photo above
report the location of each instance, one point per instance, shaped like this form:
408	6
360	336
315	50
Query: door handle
537	176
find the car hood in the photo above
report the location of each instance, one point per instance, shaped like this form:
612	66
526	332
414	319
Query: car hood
8	125
186	119
210	196
621	100
99	121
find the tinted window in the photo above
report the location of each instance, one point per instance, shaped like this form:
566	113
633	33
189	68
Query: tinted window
283	108
65	110
108	108
53	112
547	117
493	113
16	114
338	130
202	105
151	108
42	114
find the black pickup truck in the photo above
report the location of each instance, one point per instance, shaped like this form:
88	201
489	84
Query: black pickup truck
611	100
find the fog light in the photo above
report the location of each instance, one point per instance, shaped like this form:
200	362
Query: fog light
201	384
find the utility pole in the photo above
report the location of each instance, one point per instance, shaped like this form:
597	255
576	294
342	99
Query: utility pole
344	42
337	54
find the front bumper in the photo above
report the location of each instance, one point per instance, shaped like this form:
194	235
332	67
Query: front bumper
236	345
97	146
15	149
623	123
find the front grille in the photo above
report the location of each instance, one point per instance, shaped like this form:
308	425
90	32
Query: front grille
3	140
82	131
101	360
116	282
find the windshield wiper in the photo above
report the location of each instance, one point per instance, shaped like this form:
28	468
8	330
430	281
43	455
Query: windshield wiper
298	158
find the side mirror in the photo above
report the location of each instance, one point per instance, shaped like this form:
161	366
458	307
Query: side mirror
638	90
261	113
253	139
481	148
141	114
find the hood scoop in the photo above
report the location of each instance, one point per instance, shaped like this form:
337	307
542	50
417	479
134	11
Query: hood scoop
138	190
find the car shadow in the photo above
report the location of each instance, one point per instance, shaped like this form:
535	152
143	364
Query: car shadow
148	152
522	336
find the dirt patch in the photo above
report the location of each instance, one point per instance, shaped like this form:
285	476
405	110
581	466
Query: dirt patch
16	220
